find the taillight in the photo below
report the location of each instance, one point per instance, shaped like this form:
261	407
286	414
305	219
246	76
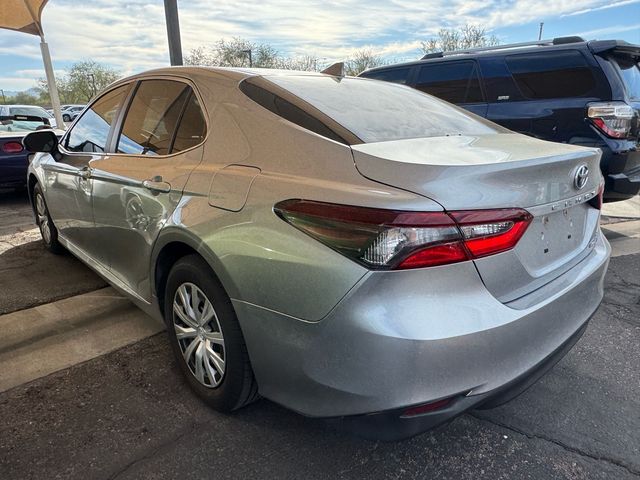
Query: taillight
614	119
12	147
395	239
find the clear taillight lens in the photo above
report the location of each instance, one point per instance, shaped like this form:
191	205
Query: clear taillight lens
614	119
393	239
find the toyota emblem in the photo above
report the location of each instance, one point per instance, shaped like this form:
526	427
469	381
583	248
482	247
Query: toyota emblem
581	176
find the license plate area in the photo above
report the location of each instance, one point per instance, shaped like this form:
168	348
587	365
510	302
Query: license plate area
554	238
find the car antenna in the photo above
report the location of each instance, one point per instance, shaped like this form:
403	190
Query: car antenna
335	69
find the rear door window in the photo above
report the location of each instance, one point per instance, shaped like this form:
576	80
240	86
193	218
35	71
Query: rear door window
192	128
395	75
91	132
455	82
151	120
544	75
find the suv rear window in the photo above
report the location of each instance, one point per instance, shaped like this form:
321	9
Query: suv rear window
455	82
630	73
544	75
382	111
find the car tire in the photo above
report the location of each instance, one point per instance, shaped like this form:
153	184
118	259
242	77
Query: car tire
66	118
206	338
48	230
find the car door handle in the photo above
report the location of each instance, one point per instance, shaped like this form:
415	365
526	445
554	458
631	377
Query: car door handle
156	185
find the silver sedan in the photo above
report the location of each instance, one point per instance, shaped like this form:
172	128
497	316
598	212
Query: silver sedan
350	249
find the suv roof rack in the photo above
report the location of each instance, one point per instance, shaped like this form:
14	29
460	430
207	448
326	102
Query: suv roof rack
554	41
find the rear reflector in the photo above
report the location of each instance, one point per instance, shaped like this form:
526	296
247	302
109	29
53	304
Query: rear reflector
426	408
12	147
392	239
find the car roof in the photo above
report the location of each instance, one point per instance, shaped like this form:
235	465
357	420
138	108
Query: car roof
595	46
235	74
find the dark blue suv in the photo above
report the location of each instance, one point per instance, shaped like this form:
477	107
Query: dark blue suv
564	90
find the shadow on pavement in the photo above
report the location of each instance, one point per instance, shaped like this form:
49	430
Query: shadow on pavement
30	275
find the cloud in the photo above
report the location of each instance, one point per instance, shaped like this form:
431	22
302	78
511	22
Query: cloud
130	35
603	7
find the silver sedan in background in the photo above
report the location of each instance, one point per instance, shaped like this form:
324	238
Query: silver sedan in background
350	249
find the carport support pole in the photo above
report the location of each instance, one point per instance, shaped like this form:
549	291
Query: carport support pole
51	83
173	31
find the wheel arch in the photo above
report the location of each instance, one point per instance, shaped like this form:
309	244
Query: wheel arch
171	246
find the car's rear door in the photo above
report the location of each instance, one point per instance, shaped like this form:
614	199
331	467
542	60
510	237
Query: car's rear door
457	82
158	144
67	181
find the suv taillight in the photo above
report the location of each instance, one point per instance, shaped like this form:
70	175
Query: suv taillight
392	239
614	119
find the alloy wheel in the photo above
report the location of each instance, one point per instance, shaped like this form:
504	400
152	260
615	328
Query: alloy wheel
199	334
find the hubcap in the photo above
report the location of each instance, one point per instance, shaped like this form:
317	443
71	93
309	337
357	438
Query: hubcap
199	335
43	219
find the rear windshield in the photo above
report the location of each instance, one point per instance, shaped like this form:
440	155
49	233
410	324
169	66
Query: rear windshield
379	111
31	111
630	72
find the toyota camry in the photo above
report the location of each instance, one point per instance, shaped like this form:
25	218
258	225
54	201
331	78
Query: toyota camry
351	249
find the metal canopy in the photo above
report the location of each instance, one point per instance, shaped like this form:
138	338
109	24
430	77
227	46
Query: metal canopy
22	15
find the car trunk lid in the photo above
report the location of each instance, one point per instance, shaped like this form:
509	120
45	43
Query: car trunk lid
501	171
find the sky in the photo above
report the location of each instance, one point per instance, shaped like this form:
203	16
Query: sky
130	35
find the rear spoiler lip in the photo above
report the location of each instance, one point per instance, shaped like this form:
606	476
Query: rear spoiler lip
619	46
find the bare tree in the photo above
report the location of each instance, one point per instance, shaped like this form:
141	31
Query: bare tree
361	60
240	52
469	36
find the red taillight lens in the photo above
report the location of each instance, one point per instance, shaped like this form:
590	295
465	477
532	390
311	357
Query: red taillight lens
12	147
487	232
393	239
611	118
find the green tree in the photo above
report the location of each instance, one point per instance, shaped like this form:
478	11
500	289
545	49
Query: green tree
81	82
469	36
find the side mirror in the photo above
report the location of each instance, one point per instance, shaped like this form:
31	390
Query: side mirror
41	141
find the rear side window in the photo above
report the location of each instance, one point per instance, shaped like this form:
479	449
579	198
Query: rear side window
395	75
152	117
287	110
91	132
455	82
552	74
192	128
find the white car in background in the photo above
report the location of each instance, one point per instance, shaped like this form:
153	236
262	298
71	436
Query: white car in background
70	112
28	110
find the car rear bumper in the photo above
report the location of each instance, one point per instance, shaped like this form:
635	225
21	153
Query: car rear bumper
622	174
406	338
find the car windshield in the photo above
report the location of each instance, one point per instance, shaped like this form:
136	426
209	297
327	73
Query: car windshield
378	111
630	72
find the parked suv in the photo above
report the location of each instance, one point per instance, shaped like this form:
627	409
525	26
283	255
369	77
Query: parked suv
565	90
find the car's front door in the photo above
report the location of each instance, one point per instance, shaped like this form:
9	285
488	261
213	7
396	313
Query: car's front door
136	189
67	180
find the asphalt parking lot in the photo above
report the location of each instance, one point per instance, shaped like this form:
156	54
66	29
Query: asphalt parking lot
128	414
